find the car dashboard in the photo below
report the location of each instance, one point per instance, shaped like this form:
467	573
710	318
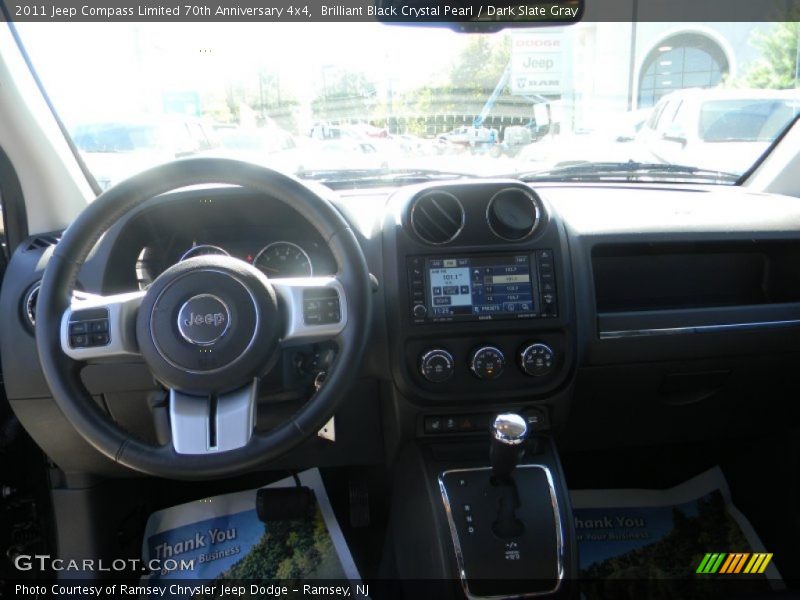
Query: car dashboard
489	295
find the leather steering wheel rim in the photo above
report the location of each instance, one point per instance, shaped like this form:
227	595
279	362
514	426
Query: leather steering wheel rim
63	373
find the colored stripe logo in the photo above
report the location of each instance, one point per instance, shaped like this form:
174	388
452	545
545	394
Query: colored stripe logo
734	563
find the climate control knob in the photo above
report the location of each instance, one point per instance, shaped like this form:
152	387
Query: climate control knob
537	359
437	365
487	362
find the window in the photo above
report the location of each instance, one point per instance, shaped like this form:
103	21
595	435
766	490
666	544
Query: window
688	60
745	120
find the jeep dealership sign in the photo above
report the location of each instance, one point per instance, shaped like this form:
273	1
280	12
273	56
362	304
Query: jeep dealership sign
537	62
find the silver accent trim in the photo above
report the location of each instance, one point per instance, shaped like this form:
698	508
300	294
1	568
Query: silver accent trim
31	296
530	348
457	545
430	354
290	290
414	209
188	254
122	309
190	421
187	337
302	251
691	329
510	429
538	213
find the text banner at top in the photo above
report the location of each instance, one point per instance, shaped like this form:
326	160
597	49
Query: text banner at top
475	14
401	11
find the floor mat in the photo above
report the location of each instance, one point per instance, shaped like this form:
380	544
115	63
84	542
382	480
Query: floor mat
687	541
221	542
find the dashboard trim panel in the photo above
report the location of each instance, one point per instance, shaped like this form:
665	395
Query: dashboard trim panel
635	333
560	550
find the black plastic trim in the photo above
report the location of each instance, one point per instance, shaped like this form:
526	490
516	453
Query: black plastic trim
15	216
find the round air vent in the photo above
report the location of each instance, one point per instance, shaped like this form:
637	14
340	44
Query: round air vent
29	304
513	214
437	217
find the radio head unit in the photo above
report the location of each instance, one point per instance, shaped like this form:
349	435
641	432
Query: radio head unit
482	287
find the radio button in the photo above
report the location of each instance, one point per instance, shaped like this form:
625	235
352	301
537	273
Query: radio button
537	360
420	311
487	362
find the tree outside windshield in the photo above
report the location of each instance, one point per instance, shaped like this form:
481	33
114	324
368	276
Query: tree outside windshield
367	97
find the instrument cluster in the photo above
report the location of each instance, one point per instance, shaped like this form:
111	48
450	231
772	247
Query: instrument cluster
277	253
276	259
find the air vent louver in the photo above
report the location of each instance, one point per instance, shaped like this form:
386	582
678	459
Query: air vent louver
40	242
437	217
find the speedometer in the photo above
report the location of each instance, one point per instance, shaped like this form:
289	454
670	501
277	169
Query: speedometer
283	259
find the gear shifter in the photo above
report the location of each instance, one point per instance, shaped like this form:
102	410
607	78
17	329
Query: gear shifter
509	433
505	519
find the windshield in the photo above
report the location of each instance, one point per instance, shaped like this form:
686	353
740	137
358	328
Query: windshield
349	100
755	120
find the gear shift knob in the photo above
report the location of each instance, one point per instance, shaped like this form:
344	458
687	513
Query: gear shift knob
509	433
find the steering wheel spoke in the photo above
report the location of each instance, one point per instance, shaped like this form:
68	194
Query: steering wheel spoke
315	308
212	423
97	327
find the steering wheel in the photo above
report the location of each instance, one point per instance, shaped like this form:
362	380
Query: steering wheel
207	328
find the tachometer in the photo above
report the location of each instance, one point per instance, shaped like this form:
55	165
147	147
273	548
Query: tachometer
203	250
283	259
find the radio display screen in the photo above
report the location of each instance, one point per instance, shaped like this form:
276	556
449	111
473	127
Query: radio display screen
480	287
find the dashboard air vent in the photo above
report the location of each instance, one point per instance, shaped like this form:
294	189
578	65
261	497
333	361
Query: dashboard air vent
437	217
40	242
29	304
513	214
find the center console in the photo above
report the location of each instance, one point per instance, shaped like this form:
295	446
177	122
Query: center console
480	325
478	289
491	516
506	526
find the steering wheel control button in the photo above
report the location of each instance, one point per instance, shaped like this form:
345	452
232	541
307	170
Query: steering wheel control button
204	319
79	328
537	360
98	326
79	341
321	307
437	365
487	363
89	328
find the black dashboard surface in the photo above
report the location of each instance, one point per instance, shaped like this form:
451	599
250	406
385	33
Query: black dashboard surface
580	222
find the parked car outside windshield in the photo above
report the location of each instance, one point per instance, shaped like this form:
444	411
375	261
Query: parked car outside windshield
719	129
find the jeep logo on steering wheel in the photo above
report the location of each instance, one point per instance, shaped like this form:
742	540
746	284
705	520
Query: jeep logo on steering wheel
203	319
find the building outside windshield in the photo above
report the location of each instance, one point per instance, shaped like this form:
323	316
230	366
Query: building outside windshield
339	102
